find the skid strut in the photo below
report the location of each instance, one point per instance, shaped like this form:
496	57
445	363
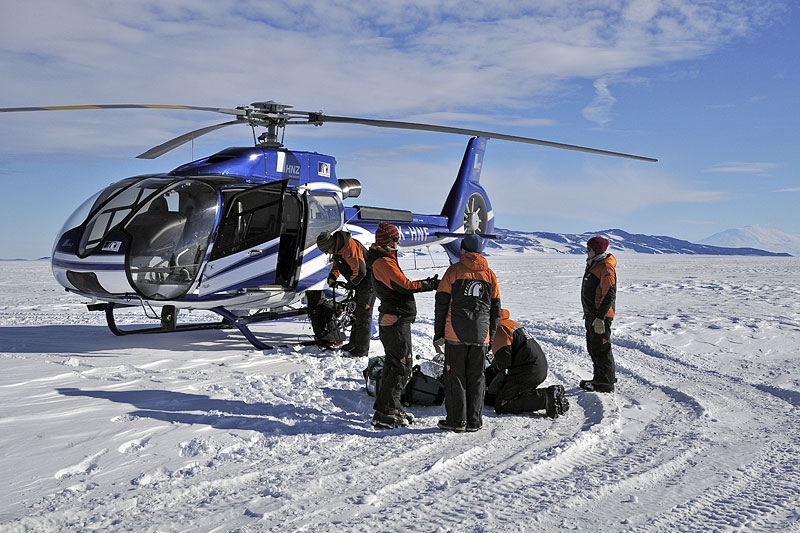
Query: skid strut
169	322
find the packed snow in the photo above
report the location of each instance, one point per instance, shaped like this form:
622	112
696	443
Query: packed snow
198	431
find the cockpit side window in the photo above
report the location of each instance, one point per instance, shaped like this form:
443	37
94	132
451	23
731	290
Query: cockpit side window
325	212
253	218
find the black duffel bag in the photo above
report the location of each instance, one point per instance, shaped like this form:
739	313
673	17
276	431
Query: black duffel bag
421	389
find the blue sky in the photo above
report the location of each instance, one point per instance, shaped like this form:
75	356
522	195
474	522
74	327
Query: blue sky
711	90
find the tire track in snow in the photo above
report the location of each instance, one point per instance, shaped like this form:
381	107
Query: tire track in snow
743	494
581	451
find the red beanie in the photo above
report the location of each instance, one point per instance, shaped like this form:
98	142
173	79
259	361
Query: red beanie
598	244
386	234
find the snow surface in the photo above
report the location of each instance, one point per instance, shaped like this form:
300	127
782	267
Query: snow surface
200	432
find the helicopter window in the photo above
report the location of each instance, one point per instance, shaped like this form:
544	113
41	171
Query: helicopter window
325	212
77	217
169	238
253	218
113	189
80	215
115	210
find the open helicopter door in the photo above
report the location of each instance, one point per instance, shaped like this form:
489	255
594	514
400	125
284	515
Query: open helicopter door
246	251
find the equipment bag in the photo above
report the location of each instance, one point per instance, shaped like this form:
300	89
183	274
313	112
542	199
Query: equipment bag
372	375
328	332
421	389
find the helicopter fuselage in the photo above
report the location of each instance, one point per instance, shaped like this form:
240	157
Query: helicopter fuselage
236	230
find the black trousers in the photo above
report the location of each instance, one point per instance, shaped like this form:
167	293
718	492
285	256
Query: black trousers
362	318
464	383
599	348
397	365
519	393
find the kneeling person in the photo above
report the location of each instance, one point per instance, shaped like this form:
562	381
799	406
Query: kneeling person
518	354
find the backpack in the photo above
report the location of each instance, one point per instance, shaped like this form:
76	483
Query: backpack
328	332
372	375
421	389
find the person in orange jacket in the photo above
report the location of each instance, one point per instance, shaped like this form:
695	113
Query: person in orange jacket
348	256
521	367
467	310
397	312
598	296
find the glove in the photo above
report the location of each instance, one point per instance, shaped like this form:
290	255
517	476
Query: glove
599	326
332	280
438	345
429	284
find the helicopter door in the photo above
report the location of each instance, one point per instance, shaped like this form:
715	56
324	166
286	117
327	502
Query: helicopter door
290	253
246	250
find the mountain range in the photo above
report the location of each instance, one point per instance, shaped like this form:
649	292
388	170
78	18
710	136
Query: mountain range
750	240
756	237
570	243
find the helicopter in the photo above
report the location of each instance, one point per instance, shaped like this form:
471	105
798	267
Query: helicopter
235	232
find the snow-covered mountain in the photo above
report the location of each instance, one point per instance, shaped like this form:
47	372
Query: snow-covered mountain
757	237
566	243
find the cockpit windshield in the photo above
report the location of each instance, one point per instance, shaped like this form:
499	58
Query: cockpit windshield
169	238
128	198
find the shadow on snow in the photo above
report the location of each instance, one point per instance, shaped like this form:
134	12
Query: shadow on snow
268	419
87	340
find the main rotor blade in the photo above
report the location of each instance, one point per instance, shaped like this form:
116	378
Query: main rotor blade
223	110
162	149
461	131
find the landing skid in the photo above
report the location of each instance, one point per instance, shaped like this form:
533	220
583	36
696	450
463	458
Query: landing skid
169	322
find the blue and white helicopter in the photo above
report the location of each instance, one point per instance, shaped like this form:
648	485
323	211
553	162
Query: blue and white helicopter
235	232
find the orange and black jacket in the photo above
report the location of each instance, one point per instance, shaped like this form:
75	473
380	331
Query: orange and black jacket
512	348
599	288
349	260
392	287
467	302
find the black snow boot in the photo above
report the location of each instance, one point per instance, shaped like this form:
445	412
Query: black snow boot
443	424
383	420
556	402
596	386
402	414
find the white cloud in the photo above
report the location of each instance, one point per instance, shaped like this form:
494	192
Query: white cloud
469	61
403	56
741	167
599	110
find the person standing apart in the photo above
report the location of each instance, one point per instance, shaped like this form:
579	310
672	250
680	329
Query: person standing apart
466	312
598	296
348	256
397	312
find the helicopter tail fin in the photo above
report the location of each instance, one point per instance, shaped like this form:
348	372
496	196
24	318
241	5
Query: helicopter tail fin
467	208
